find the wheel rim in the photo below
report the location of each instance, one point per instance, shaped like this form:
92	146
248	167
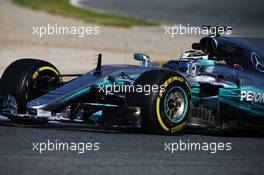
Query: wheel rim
40	85
175	104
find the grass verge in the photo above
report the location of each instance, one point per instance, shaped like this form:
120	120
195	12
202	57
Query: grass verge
64	8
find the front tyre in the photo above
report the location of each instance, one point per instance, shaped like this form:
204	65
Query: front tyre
166	110
27	79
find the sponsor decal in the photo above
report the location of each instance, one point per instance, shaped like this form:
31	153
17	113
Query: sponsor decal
252	96
257	61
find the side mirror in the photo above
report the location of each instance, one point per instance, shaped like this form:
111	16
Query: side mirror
144	59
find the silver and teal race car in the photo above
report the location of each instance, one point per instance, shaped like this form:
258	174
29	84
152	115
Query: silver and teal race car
220	85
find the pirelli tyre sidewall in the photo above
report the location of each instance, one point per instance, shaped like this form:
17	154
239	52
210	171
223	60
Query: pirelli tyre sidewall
172	85
26	79
153	107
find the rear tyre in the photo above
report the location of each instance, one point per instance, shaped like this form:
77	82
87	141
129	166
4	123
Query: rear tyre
27	79
167	109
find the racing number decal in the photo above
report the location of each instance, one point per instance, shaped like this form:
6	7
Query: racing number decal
168	82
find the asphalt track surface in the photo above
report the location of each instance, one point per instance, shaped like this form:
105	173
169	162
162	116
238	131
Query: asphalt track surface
246	17
124	152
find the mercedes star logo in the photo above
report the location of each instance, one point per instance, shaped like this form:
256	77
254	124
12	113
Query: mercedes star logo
257	61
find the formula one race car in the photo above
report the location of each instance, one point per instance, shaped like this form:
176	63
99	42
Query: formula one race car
218	87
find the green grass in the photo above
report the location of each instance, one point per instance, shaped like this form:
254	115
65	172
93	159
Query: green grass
64	8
